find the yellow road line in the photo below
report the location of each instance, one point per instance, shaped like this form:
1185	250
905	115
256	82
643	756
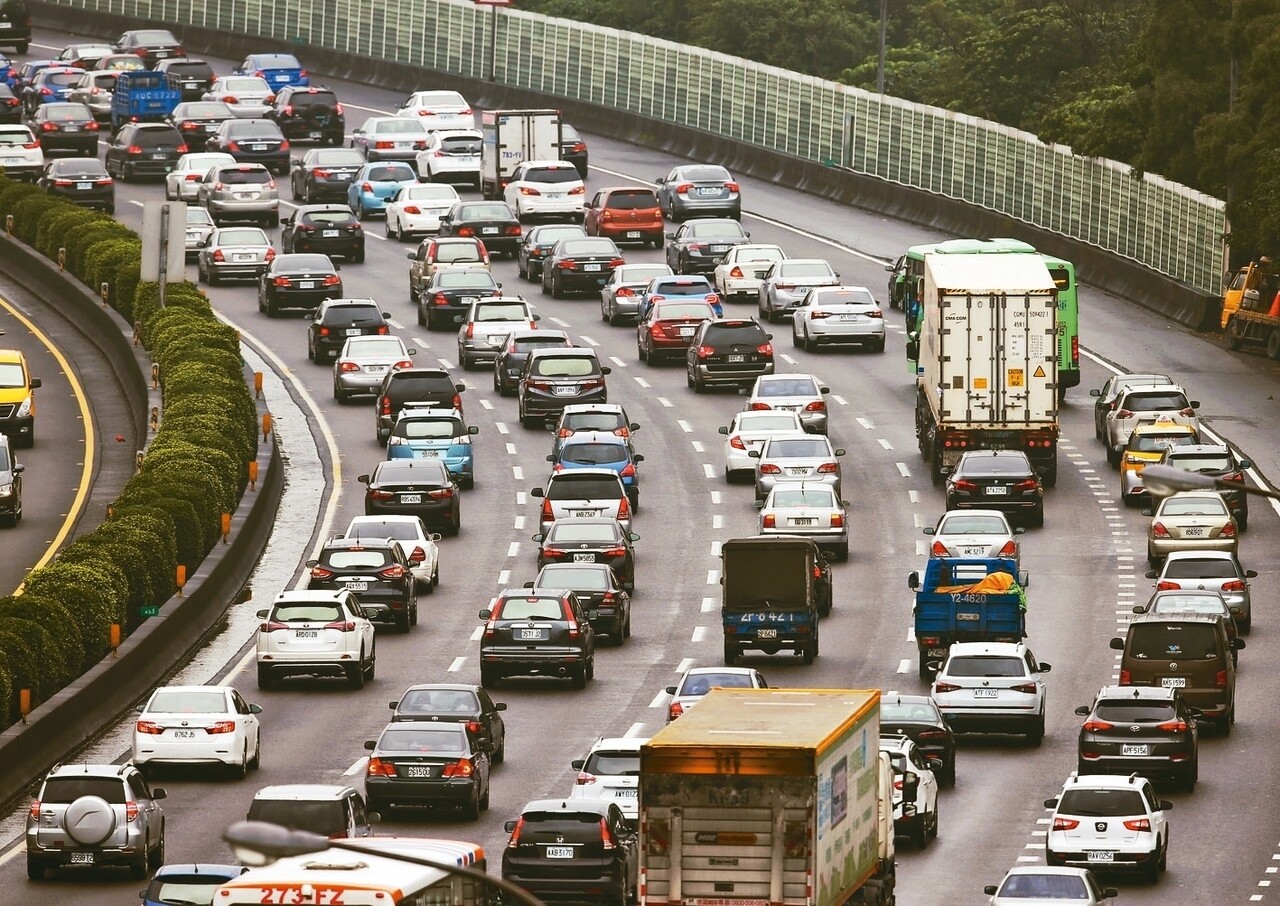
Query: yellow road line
90	435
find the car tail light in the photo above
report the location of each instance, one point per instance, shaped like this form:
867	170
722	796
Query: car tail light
105	181
515	834
939	549
759	407
629	470
132	149
130	810
460	768
816	406
964	485
674	710
395	571
1009	550
736	443
35	809
571	628
474	726
1126	678
584	778
457	402
769	521
231	99
1066	824
683	188
331	280
1173	726
513	230
731	186
616	263
1166	585
624	509
439	299
221	726
1028	484
1228	531
1138	824
1159	531
440	493
1187	412
321	572
606	835
769	468
957	441
281	281
784	286
148	727
466	231
765	349
931	734
31	146
945	687
381	495
63	182
218	256
548	514
1124	413
1220	680
412	209
347	367
529	190
471	330
193	177
827	468
384	405
92	126
874	313
625	291
1025	688
379	768
706	352
384	144
698	247
342	626
578	190
817	314
837	520
418	556
1233	585
46	91
272	626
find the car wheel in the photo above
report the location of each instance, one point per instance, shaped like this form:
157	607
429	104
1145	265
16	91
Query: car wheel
241	770
920	832
810	344
1242	522
795	336
933	822
403	622
500	753
435	578
1191	775
311	348
484	799
1035	735
213	279
471	811
455	526
355	675
579	677
557	287
256	761
842	553
641	354
1037	517
141	868
1151	870
542	281
266	681
422	319
521	270
698	385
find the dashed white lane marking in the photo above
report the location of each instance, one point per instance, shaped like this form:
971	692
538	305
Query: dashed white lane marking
708	470
513	548
635	730
511	448
715	548
520	498
589	341
698	447
502	427
904	472
421	342
911	634
717	521
715	497
485	404
684	426
476	633
394	323
560	321
642	382
713	577
840	399
699	633
922	548
446	364
917	520
138	203
684	665
517	473
617	361
518	524
904	665
666	403
504	576
658	700
456	665
786	358
884	443
913	496
708	605
866	423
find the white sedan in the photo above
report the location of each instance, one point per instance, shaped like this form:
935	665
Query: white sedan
247	96
829	315
451	155
975	533
809	509
438	110
917	817
416	209
181	183
418	544
747	432
739	273
547	188
197	725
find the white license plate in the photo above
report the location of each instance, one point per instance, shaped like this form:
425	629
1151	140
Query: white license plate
591	267
803	520
376	369
210	127
184	734
974	551
314	135
719	249
10	161
559	852
555	195
986	693
586	514
489	231
411	498
633	234
737	358
1193	533
159	156
82	858
353	331
565	391
1174	682
798	471
1100	856
357	586
937	652
687	331
627	793
416	770
1135	750
243	257
84	185
997	490
529	634
708	191
328	234
467	300
306	284
69	128
257	147
766	633
306	633
584	558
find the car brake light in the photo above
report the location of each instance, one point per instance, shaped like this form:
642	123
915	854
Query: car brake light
736	443
1166	585
460	768
548	514
629	470
963	485
439	299
1173	726
614	552
837	520
759	407
466	231
817	314
674	710
606	835
1158	530
1009	550
939	549
395	571
218	255
731	186
1228	531
1220	680
440	493
816	406
148	727
683	188
705	352
584	778
457	402
945	687
35	809
332	280
418	556
221	726
625	291
1066	824
624	510
379	768
1187	412
1028	484
769	468
1126	678
765	349
1233	585
578	190
515	834
769	521
281	281
571	628
827	468
321	572
381	495
132	149
130	811
529	190
1025	688
471	330
342	626
1138	824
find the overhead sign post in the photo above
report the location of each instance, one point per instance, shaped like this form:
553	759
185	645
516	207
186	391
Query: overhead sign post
164	241
493	34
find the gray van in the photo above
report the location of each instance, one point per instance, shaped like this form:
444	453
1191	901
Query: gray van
1189	652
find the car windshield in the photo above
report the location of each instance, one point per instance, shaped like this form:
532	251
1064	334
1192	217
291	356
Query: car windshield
173	701
789	497
569	532
390	173
1154	402
567	366
552	174
787	387
570	487
501	311
1101	803
1201	462
427	700
447	252
1132	711
354	559
189	891
973	525
574	578
1200	568
986	665
1193	506
481	211
318	817
630	201
907	712
715	229
1152	443
63	790
12	375
613	764
589	247
798	448
415	739
1173	603
684	310
529	609
1044	887
429	428
246	236
448	280
243	176
1194	641
702	683
594	454
307	612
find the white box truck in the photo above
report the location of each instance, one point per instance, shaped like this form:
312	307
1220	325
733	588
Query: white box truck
988	361
512	137
768	797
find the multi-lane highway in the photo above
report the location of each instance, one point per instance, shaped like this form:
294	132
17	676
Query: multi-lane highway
1086	564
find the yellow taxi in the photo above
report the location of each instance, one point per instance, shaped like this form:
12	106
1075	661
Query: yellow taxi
17	402
1146	445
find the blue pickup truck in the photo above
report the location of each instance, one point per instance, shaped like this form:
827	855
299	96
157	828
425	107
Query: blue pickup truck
967	600
775	587
142	96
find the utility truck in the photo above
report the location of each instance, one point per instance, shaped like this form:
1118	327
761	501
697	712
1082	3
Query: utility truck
510	137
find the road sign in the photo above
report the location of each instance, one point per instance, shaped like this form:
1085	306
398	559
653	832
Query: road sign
164	233
153	611
493	2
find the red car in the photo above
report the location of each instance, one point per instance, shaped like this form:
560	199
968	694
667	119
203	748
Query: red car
625	214
668	327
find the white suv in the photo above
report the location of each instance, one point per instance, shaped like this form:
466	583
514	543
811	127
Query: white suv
1100	821
547	188
419	545
20	153
1144	403
992	687
917	816
611	771
315	633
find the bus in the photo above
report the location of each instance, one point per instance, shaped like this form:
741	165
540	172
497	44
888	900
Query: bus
907	278
340	877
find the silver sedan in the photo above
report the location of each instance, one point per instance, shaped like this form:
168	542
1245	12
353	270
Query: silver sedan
798	393
787	282
620	297
234	253
796	457
975	533
812	510
838	314
249	97
1190	520
364	362
1218	571
390	138
747	433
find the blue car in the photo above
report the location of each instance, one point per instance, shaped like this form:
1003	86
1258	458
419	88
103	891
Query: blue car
52	85
421	432
8	72
683	288
188	882
374	185
279	69
27	73
601	450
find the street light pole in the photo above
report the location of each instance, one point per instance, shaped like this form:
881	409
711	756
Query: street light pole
884	24
1169	480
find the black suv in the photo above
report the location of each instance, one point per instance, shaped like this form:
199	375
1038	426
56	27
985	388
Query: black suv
252	142
144	149
445	300
15	25
424	386
10	484
309	114
375	571
492	222
1145	729
573	849
733	351
554	378
537	633
510	359
598	590
461	703
190	76
327	228
337	319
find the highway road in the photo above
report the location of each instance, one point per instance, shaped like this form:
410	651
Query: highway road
1086	565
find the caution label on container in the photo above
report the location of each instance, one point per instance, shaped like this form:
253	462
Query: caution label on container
1017	377
1039	372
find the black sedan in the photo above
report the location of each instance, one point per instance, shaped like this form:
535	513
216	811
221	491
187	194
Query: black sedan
432	765
414	487
376	570
65	127
1148	730
297	281
151	45
698	246
511	357
590	541
445	300
324	174
198	120
82	180
328	228
538	243
918	718
492	222
580	265
457	703
190	76
598	590
10	105
252	142
997	480
573	149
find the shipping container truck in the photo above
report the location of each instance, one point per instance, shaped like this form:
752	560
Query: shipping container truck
768	797
988	363
512	137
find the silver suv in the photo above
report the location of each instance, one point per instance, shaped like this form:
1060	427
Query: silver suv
95	814
240	192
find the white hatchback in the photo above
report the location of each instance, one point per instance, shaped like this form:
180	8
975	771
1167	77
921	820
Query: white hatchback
197	725
419	545
451	155
416	209
611	771
1108	822
746	433
992	687
547	188
315	633
20	154
183	181
439	110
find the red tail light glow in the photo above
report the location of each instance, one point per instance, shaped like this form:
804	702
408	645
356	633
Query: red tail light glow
460	768
1066	824
1137	824
341	626
584	778
1159	531
1173	726
130	811
221	726
379	768
606	835
736	443
769	521
945	687
515	834
148	727
321	572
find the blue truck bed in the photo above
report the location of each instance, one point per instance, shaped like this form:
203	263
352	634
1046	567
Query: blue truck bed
962	613
142	96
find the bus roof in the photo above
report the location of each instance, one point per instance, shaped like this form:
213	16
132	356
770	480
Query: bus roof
996	245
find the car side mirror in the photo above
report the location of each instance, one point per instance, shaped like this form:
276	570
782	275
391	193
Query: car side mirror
537	492
158	792
1095	393
913	580
1246	463
670	690
1051	803
1237	644
753	454
935	764
759	504
1110	893
1148	513
1138	608
499	706
538	537
550	458
509	826
1019	530
460	387
1165	805
670	235
255	709
528	584
262	614
826	389
604	369
1117	644
1044	668
724	429
309	316
311	563
593	614
411	351
1251	574
634	426
578	764
139	708
412	256
990	889
370	744
486	614
1195	713
373	817
363	479
473	430
1083	710
929	530
393	705
284	219
839	451
18	468
639	457
1195	404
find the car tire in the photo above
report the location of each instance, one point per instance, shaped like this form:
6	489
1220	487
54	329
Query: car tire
471	811
256	761
500	752
141	867
403	622
920	832
358	257
1191	776
484	800
626	624
542	285
1035	735
557	287
355	675
213	279
1151	870
579	677
266	681
1242	522
842	553
878	345
452	529
698	385
311	348
1037	517
241	770
36	869
1113	456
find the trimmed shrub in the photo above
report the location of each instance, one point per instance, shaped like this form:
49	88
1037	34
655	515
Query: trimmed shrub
27	214
89	236
188	528
22	665
12	192
217	466
94	592
196	378
150	531
116	262
57	227
34	661
54	616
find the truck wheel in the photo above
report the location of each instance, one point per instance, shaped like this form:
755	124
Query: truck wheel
1273	345
923	669
730	654
935	467
1234	335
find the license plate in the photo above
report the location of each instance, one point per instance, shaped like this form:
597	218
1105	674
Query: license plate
586	514
306	633
997	490
1135	750
797	471
565	391
184	734
719	249
803	520
555	195
84	185
967	617
257	147
243	256
627	794
986	693
160	155
1174	682
71	128
847	318
467	300
411	498
974	551
11	161
737	358
559	852
376	369
937	652
82	858
210	127
708	191
531	635
328	234
314	135
687	331
584	558
353	331
766	633
307	284
591	267
357	586
633	234
416	770
1193	533
489	231
1100	856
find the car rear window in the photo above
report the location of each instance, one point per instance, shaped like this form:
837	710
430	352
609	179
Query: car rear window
552	235
398	126
787	387
21	137
986	665
351	314
449	280
1154	402
242	237
209	108
251	84
501	311
313	99
415	739
973	525
447	252
553	174
423	700
630	201
529	609
1152	443
684	310
711	229
189	701
705	174
429	428
423	471
460	144
277	61
307	612
353	559
589	247
804	269
565	366
808	497
559	827
1195	641
298	263
1135	710
338	157
613	764
593	454
67	113
1194	506
801	446
682	287
567	486
190	70
566	532
62	79
528	345
574	578
318	817
328	217
427	385
265	130
1199	568
246	176
702	683
63	790
482	211
1008	464
592	421
1101	803
766	422
742	332
85	168
1201	462
400	531
1196	603
390	174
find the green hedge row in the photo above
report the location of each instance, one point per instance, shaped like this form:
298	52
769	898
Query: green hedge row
194	470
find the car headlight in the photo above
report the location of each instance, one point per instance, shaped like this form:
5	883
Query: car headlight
25	409
6	490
